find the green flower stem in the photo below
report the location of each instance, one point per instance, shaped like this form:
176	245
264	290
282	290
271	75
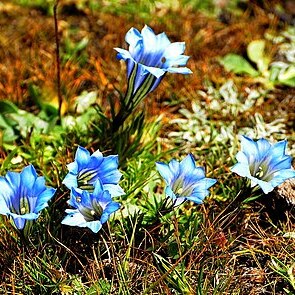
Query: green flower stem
131	99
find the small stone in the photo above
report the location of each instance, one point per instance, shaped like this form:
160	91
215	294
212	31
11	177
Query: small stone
287	190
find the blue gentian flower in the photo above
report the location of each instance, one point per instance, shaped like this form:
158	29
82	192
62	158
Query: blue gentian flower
91	209
184	180
23	195
149	57
263	163
87	169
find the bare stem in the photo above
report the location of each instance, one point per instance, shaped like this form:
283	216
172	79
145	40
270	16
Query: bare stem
57	57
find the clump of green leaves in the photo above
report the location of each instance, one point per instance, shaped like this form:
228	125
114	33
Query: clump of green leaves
16	123
266	70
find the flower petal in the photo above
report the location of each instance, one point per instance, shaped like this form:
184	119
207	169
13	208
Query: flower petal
23	195
187	165
165	171
250	148
95	226
132	37
123	54
75	218
150	54
174	49
241	157
43	198
180	60
70	181
283	175
264	164
265	186
82	157
185	180
263	147
278	149
241	169
184	71
28	177
90	168
149	38
284	163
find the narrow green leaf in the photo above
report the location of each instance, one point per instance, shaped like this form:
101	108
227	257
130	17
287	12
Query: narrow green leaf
7	160
7	107
288	82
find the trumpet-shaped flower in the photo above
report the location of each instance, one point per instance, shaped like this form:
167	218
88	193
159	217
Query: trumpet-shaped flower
184	180
87	169
23	195
91	209
263	163
149	57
